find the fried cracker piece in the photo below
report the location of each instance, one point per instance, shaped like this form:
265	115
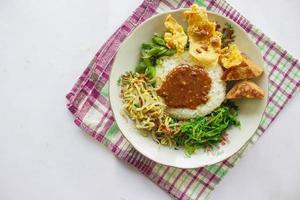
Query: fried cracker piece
245	89
205	41
230	57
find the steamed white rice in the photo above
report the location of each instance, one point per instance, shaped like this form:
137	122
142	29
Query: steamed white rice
216	93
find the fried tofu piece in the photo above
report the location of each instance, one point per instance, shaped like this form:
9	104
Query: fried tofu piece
247	69
245	89
175	36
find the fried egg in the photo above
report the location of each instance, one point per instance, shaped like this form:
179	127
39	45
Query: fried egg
175	36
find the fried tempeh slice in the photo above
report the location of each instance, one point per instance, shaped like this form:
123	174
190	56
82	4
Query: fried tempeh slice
247	69
245	89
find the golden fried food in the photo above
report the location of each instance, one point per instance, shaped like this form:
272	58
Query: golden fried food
245	89
247	69
175	37
231	56
205	41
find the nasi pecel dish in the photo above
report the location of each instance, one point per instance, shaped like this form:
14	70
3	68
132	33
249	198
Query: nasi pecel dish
183	89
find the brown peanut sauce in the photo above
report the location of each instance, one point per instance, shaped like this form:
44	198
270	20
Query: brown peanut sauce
185	87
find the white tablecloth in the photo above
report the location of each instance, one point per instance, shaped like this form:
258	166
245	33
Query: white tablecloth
44	47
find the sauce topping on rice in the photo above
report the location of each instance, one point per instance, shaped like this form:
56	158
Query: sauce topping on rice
185	87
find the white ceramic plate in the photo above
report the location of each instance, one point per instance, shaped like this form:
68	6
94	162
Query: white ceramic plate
249	114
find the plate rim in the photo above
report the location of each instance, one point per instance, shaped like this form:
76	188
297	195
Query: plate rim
266	72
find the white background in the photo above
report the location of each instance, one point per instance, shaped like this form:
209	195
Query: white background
44	47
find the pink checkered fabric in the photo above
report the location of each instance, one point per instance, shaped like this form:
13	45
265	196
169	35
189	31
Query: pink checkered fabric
90	106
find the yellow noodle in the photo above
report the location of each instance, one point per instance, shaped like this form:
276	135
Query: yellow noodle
145	108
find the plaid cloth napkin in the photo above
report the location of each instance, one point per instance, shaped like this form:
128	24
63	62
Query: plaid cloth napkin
88	101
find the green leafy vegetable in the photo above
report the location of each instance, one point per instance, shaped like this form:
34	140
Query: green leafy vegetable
228	35
151	52
159	62
147	45
169	52
150	72
147	62
154	51
159	41
141	67
207	131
